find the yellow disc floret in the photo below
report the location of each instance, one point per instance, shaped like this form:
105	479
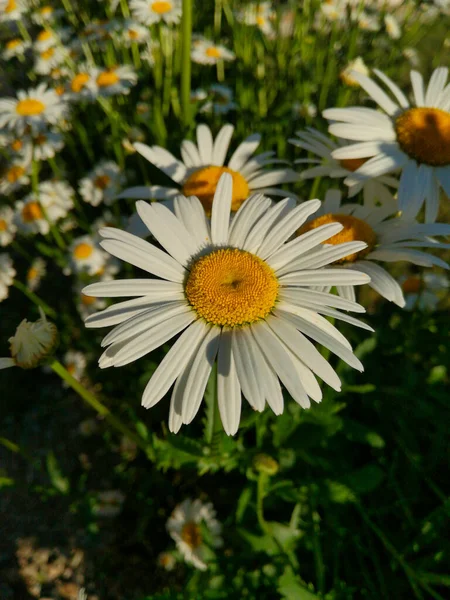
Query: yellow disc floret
30	107
191	535
203	183
82	251
213	52
107	78
231	287
31	212
79	81
160	7
424	134
354	230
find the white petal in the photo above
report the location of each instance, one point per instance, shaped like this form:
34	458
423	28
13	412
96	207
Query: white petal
6	363
154	289
362	132
418	88
244	151
190	154
399	95
323	256
435	86
248	214
324	277
361	150
374	90
348	291
300	295
273	177
221	207
382	282
228	388
120	312
164	160
204	143
258	233
142	192
191	213
432	200
268	379
221	145
248	368
324	310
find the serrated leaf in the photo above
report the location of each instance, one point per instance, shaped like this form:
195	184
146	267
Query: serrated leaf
58	480
291	588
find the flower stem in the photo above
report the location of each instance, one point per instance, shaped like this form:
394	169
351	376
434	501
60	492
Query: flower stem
100	408
186	34
35	298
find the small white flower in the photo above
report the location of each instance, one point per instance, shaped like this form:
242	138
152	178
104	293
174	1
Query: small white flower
166	561
47	60
35	273
12	10
7	226
152	11
184	527
29	216
392	27
85	256
366	21
15	47
57	199
134	33
31	343
7	274
114	80
220	100
206	52
14	176
109	503
304	110
46	14
355	66
102	184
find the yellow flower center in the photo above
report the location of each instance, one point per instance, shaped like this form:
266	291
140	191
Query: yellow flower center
47	54
83	250
30	107
161	7
102	181
3	225
46	10
31	212
203	183
231	287
32	273
87	300
79	81
59	89
354	230
260	21
71	368
45	34
424	134
107	78
352	164
412	285
14	173
191	535
40	139
132	34
16	145
213	52
13	43
12	5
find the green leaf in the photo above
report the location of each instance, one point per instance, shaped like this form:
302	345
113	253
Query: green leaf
364	480
291	588
360	389
286	535
356	432
337	492
58	480
6	482
260	543
243	502
366	347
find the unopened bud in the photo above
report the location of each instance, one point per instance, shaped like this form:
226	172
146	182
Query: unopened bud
265	464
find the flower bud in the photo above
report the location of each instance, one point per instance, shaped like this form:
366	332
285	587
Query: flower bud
263	463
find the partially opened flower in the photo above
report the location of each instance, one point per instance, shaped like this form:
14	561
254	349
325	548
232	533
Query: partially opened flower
203	164
389	239
185	528
236	292
414	138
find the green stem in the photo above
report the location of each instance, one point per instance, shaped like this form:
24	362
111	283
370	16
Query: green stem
186	35
100	408
35	299
260	495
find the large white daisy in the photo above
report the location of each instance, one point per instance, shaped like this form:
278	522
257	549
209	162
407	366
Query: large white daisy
414	138
203	164
153	11
235	291
389	239
374	190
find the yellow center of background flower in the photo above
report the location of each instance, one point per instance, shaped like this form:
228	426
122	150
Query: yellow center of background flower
71	368
14	173
352	164
191	535
424	134
354	230
12	5
87	300
132	34
161	7
213	52
3	225
13	44
31	212
46	10
102	181
231	287
203	183
79	81
107	78
16	145
83	251
32	273
44	35
30	107
47	54
412	285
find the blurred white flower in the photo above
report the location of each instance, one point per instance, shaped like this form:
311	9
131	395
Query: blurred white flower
7	274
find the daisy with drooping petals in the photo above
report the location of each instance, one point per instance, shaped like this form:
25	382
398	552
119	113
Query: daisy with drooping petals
374	190
7	226
15	48
85	256
33	109
35	273
7	274
14	176
184	527
114	80
206	52
134	33
152	11
102	184
415	139
12	10
235	291
389	238
203	164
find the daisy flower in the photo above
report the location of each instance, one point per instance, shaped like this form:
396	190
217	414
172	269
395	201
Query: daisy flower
45	14
114	80
15	48
47	60
392	27
220	100
57	199
14	176
357	65
134	33
12	10
85	256
304	110
153	11
231	290
261	14
424	293
415	139
206	52
33	109
374	190
35	273
7	226
102	184
31	343
203	164
166	561
7	274
29	216
43	145
184	527
81	85
389	239
47	38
